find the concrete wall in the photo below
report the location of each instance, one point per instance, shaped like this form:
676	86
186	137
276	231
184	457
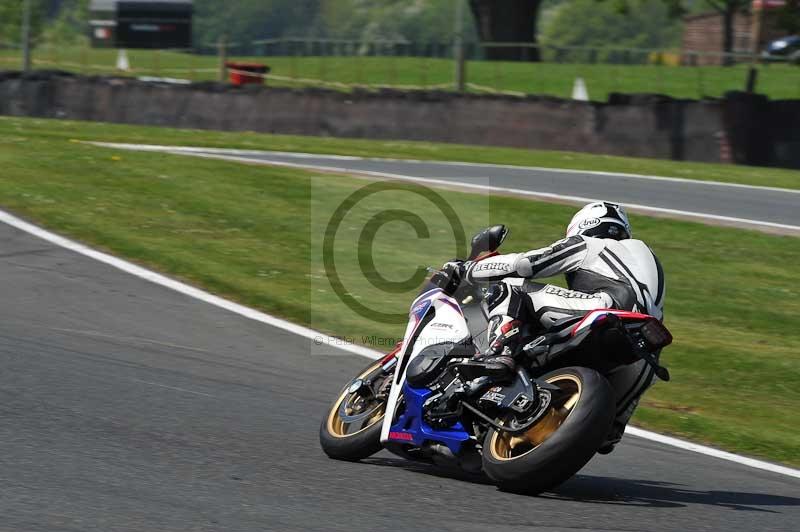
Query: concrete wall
646	126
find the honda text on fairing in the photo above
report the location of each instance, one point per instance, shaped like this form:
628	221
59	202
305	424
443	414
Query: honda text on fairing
427	400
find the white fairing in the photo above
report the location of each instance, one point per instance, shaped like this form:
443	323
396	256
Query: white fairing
448	325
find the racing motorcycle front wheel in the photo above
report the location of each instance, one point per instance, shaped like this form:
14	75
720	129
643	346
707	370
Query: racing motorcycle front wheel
561	442
351	428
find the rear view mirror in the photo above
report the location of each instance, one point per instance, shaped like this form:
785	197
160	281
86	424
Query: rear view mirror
488	240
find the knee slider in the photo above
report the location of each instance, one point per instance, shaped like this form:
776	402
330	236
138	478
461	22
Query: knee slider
495	295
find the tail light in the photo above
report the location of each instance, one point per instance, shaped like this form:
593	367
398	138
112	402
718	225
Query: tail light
655	334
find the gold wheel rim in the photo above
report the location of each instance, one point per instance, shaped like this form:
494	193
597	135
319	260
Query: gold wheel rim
337	427
504	446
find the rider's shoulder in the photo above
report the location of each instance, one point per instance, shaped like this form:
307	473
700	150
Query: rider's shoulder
569	241
628	243
632	245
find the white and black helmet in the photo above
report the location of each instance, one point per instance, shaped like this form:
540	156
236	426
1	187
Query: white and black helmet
602	220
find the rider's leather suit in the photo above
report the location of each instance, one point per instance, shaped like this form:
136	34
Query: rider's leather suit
600	273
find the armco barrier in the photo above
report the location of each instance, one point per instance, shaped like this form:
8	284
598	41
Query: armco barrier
635	125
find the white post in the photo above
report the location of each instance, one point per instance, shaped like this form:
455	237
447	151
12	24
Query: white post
122	60
579	91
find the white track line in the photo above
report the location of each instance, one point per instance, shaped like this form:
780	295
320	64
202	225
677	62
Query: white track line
710	451
247	312
304	155
203	153
183	288
446	183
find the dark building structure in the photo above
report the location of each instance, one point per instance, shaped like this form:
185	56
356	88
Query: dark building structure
156	24
703	34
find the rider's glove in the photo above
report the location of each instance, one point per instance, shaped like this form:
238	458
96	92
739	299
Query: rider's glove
466	268
451	275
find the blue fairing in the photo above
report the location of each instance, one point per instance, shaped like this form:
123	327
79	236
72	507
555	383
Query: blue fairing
416	431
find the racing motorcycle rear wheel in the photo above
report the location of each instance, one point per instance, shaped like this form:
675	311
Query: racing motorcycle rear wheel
560	443
351	428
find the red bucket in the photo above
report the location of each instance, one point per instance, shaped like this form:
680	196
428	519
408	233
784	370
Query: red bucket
245	73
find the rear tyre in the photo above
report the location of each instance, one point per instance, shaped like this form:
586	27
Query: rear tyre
351	428
561	443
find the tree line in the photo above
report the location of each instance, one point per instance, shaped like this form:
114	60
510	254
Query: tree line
596	23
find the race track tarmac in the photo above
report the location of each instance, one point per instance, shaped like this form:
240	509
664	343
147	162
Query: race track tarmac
127	406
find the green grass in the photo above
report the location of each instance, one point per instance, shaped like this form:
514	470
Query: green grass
555	79
71	130
253	234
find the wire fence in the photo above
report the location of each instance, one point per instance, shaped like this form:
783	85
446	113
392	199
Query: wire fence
547	52
351	64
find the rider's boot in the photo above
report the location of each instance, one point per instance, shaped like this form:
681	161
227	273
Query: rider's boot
498	360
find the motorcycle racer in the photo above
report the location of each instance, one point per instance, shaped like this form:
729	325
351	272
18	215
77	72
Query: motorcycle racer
604	267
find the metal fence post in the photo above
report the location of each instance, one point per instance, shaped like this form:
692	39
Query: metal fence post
293	61
157	63
84	60
222	51
319	48
392	64
701	91
752	77
423	64
26	36
458	47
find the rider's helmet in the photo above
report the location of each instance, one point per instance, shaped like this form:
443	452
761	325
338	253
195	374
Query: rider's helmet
601	220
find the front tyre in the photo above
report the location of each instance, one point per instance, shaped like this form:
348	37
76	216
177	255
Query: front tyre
559	444
351	428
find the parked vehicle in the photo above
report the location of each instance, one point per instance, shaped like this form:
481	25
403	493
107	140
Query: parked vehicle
783	49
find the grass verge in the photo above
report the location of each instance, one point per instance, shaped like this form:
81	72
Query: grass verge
72	130
555	79
252	234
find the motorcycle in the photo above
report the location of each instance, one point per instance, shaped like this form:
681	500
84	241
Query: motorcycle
428	400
